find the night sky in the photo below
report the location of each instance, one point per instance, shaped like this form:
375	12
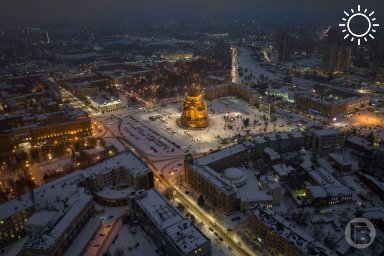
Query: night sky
13	11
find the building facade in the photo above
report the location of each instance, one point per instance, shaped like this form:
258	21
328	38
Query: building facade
336	58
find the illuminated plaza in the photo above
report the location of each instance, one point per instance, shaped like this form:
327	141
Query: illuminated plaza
225	122
365	122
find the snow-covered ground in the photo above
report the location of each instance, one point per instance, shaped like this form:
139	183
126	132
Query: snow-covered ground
168	139
247	63
364	121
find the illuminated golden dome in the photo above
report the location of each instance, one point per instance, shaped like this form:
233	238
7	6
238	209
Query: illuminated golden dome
194	110
194	92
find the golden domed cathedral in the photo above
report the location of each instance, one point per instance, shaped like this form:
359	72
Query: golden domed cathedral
194	110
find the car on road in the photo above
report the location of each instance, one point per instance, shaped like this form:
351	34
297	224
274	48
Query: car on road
211	229
215	234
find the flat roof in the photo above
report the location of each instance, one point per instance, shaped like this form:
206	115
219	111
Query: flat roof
179	229
219	181
328	132
48	239
16	205
125	159
41	218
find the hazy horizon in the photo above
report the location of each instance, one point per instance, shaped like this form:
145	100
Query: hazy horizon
90	11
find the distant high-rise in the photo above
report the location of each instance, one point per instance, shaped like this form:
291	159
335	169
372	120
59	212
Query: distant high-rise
284	44
336	58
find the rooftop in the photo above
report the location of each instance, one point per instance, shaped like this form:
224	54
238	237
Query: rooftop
16	205
287	230
179	229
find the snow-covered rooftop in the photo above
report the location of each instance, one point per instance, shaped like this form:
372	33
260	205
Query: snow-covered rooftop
290	232
18	204
221	182
179	229
41	218
49	238
254	196
218	155
360	141
282	169
327	132
125	159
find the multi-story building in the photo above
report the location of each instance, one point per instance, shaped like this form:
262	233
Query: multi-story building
327	139
207	176
62	125
172	233
328	107
114	178
281	237
336	58
284	43
58	236
326	189
360	145
104	102
215	188
13	216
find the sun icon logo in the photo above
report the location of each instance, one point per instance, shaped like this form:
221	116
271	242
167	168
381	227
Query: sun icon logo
363	14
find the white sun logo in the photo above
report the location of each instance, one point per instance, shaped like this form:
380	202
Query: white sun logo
347	26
